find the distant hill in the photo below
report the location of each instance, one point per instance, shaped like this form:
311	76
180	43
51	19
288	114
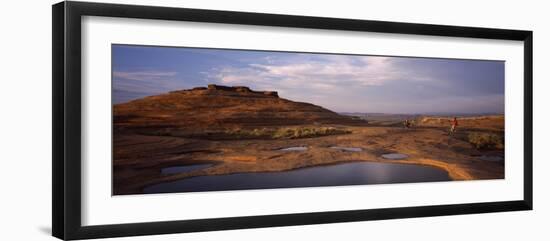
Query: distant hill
218	107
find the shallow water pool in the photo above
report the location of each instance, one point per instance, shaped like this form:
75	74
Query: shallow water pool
294	148
347	149
395	156
351	173
184	168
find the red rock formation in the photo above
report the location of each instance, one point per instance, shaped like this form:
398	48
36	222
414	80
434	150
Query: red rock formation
220	107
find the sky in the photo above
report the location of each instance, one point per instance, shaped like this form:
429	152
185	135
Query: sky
341	83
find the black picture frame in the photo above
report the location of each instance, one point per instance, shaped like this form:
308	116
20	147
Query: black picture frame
66	167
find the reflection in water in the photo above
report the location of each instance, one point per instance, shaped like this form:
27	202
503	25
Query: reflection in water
349	149
354	173
294	148
395	156
491	158
185	168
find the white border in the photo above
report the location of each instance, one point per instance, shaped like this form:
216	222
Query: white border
99	207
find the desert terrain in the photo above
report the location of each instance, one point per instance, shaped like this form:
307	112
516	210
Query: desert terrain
239	130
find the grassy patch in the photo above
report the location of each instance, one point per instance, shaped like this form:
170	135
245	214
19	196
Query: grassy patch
306	132
486	140
248	134
257	133
284	133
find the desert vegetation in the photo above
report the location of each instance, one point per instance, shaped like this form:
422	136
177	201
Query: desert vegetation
292	132
284	132
486	140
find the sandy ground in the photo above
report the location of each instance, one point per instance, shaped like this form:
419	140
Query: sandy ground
138	159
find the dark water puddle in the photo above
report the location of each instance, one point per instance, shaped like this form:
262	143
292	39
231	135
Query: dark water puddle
491	158
354	173
347	149
294	148
395	156
184	168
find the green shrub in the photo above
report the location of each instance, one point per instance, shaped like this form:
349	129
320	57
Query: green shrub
485	140
257	133
306	132
243	133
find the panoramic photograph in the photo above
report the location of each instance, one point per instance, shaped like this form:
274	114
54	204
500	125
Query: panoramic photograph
201	119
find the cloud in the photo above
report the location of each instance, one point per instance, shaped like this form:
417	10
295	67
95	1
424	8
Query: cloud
318	73
337	82
150	82
144	75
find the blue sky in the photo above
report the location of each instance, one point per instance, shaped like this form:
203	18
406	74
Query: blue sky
342	83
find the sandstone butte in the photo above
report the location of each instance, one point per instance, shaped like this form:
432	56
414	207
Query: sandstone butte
218	106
